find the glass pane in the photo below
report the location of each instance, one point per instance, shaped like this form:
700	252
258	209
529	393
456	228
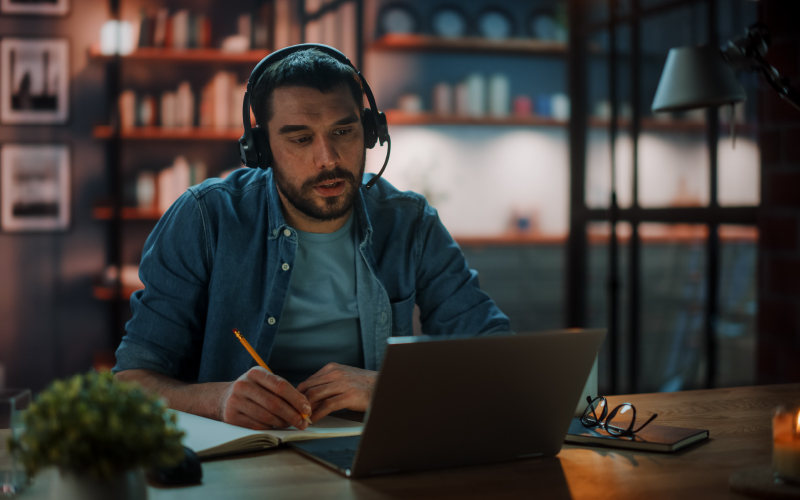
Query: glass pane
733	16
673	285
597	11
738	156
598	235
738	161
598	159
646	4
526	281
736	326
673	151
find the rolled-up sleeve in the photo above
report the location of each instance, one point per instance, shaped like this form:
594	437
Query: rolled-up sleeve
165	333
448	292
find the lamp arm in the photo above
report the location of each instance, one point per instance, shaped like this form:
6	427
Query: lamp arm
747	53
782	85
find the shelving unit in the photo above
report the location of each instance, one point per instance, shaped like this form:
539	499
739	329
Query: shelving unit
111	209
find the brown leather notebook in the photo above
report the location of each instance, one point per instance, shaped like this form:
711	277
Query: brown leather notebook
663	438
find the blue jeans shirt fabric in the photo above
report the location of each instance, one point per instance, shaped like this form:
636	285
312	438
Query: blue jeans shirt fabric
214	262
319	324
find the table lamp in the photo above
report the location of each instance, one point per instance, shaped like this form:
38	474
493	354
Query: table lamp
703	77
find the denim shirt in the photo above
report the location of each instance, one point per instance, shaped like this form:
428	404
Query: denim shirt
222	257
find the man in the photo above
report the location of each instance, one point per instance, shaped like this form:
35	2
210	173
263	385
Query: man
314	270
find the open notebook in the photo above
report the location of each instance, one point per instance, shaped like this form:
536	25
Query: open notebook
211	438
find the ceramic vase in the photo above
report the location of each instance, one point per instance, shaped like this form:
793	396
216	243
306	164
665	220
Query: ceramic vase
126	485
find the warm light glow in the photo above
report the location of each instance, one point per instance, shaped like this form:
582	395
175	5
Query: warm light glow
797	428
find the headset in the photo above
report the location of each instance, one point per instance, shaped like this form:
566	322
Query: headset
254	146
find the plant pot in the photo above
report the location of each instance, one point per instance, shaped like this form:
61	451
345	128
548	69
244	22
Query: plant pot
126	485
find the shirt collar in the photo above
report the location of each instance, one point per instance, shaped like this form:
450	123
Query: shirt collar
275	216
278	224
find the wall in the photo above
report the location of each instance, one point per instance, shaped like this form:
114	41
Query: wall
779	220
49	323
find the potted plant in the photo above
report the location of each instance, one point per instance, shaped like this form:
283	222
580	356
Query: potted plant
100	433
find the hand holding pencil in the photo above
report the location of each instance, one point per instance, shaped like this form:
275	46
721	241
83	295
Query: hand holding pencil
260	399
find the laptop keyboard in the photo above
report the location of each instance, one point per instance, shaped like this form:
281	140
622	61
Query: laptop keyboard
340	457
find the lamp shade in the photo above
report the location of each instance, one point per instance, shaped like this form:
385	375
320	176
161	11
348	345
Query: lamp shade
696	77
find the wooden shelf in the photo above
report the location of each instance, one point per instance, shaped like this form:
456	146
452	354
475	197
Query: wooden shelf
159	133
108	292
653	124
397	117
675	234
428	43
511	239
153	54
127	213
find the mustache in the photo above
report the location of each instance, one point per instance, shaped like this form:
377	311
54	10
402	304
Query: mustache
329	175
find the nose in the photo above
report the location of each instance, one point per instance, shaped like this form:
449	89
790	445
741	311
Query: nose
327	156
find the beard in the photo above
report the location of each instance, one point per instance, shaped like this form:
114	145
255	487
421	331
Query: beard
304	199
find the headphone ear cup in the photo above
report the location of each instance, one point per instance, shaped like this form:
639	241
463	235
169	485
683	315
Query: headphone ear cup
370	130
262	145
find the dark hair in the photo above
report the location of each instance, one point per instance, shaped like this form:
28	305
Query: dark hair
306	68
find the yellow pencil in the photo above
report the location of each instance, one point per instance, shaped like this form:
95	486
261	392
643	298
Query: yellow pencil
258	359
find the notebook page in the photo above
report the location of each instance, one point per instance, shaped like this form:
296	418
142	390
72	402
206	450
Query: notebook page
204	434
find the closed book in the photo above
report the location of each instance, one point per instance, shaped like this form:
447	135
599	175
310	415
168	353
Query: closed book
181	177
165	189
663	438
127	109
180	30
144	29
223	83
160	28
237	94
169	111
206	111
198	172
194	31
184	106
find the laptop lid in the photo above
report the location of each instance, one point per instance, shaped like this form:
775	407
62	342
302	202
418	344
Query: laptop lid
445	402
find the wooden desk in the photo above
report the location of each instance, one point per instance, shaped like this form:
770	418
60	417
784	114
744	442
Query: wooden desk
739	420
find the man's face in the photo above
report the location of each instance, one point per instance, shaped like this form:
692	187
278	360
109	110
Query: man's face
317	143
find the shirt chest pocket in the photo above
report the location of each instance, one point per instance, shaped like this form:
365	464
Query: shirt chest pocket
403	317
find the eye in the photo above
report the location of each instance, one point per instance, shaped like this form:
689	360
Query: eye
302	140
343	131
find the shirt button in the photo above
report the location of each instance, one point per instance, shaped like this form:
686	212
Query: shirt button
271	321
383	318
286	232
285	267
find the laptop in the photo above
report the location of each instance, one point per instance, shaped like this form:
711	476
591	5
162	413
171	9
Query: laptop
447	402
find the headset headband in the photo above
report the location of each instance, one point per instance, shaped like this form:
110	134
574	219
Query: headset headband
378	117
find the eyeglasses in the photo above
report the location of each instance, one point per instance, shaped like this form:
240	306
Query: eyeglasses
614	423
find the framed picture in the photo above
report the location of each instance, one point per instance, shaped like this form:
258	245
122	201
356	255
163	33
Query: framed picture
34	80
34	187
35	7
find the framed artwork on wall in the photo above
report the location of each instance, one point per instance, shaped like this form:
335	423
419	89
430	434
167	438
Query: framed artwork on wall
34	80
35	7
35	187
